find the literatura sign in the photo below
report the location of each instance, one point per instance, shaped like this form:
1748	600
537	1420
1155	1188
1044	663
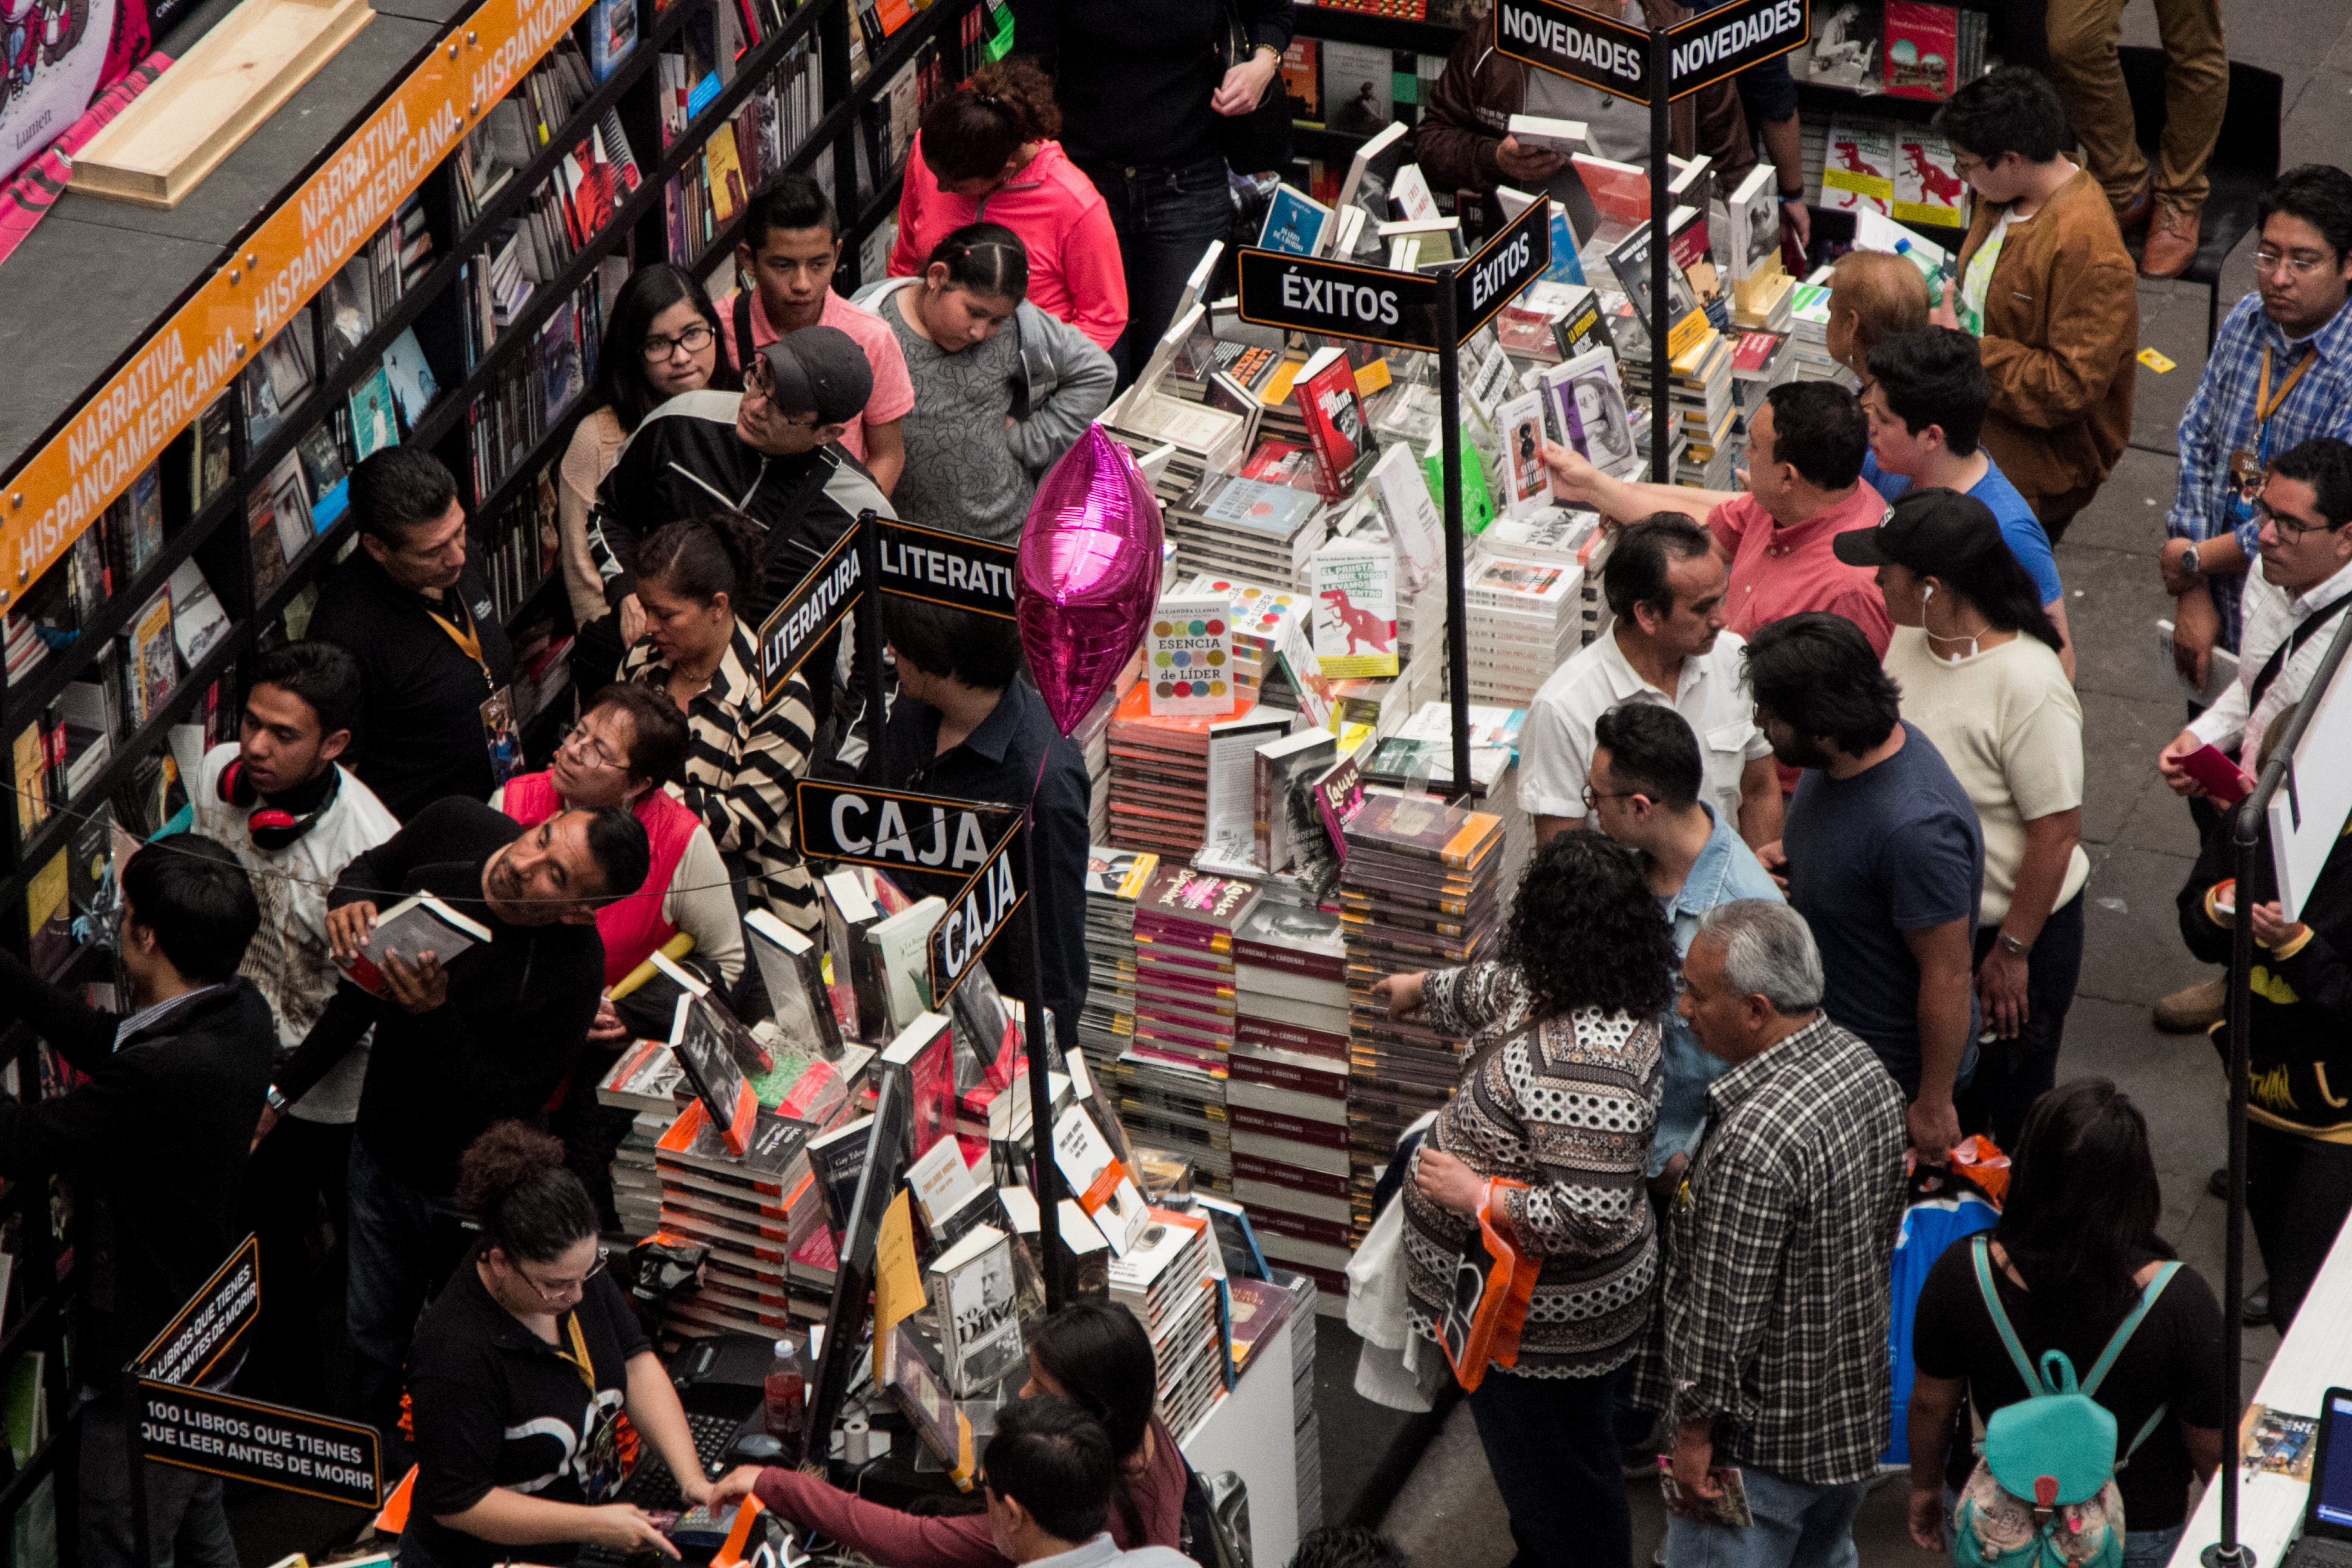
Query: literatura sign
946	568
896	830
246	1440
1575	44
802	617
1338	298
124	425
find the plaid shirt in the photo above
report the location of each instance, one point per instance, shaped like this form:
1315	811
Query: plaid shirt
2220	420
1779	1262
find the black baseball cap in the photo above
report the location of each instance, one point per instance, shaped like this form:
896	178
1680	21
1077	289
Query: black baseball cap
1930	532
820	371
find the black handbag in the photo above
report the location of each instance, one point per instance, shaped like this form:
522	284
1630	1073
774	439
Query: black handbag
1259	142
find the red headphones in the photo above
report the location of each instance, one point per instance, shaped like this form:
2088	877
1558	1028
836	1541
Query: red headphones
271	829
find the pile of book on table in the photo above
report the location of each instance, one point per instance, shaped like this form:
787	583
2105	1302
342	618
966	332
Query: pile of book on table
1115	879
1420	891
1287	1089
1172	1077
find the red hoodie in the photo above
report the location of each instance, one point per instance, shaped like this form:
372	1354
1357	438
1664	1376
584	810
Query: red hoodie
961	1541
1074	272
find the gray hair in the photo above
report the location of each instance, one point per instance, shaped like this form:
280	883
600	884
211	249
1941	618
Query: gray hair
1768	951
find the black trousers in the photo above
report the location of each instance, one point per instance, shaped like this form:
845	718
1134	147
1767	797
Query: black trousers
1552	1445
298	1175
2013	1074
2298	1190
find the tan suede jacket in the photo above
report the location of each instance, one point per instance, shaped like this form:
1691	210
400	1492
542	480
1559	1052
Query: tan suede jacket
2061	326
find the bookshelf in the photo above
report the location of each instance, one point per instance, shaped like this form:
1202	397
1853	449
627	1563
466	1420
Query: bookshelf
434	312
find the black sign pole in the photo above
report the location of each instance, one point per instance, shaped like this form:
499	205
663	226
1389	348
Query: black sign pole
134	1454
1457	629
1048	1177
1661	207
869	627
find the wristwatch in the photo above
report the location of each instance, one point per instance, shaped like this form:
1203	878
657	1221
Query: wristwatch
2014	948
2195	567
277	1101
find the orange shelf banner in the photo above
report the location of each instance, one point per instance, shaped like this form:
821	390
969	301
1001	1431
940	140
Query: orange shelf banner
124	425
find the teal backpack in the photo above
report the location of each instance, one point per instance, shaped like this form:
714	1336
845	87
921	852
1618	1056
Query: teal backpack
2044	1492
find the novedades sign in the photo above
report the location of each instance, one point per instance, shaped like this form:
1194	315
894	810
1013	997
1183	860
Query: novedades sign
1604	53
125	425
1723	42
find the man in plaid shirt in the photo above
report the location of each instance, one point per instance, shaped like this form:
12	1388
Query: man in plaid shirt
1772	1354
2279	374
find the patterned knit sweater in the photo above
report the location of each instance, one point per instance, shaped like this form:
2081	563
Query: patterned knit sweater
1567	1106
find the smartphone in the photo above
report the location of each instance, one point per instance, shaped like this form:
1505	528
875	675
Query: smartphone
2222	779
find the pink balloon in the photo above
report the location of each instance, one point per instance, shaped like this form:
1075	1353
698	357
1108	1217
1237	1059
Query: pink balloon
1089	573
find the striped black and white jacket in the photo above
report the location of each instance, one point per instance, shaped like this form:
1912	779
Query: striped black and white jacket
742	756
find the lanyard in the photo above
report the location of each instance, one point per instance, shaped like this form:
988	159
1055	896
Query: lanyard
470	641
578	1355
2264	403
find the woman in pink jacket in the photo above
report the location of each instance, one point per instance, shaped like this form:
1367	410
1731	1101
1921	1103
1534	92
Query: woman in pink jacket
986	151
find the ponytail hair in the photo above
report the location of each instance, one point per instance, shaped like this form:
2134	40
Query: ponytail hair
971	134
529	1207
986	258
699	558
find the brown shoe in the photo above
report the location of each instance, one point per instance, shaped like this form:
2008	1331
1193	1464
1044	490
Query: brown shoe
2193	1009
2132	215
2171	242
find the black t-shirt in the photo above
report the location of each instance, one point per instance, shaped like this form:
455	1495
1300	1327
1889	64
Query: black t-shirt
496	1406
420	733
2170	1360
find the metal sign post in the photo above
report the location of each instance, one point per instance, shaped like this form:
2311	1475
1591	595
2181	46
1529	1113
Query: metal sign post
1433	313
1661	470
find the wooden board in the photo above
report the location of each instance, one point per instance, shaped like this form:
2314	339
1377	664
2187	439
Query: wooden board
213	96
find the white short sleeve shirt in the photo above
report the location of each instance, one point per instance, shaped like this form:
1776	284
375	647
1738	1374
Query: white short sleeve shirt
1556	743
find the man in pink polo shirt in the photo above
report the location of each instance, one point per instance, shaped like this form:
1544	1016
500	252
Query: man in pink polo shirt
1805	449
789	246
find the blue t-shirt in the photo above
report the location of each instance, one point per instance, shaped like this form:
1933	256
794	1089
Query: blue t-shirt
1892	849
2019	526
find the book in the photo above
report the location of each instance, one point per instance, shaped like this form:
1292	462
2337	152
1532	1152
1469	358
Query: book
1858	168
1355	619
902	945
1276	764
1411	513
411	379
1541	133
612	35
704	1051
836	1159
1230	847
915	1386
855	988
214	461
198	622
1358	166
793	968
1294	223
1845	46
973	1294
646	1077
2277	1443
1588	409
1927	185
1520	426
1103	1186
152	665
1923	48
1336	427
1188	655
1619	192
921	1061
417	925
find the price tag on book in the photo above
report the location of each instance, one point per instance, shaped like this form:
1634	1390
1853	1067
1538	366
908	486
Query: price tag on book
897	829
212	1322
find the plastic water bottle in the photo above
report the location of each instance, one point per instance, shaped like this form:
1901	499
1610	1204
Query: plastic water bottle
787	1402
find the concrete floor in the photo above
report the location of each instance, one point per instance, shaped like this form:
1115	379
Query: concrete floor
1447	1511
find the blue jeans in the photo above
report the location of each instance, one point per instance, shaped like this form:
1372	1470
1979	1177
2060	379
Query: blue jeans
1165	220
1552	1447
1798	1525
400	1236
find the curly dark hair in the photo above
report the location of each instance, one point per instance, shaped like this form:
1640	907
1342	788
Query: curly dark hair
1586	931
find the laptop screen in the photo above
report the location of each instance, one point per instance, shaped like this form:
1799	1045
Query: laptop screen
2331	1501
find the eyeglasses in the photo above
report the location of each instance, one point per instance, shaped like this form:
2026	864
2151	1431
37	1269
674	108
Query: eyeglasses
556	1292
694	339
592	750
1593	798
2288	527
2296	266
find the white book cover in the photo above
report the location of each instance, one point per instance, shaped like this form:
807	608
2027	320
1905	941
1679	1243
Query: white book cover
411	928
1403	495
1410	190
1543	134
1233	779
976	1297
1102	1186
1355	583
1527	483
1189	652
940	1181
1588	409
1754	229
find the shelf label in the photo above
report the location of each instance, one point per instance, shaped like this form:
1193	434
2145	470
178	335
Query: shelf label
124	425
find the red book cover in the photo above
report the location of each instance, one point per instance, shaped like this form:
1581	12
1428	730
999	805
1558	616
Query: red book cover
1923	48
1619	192
1336	427
1279	462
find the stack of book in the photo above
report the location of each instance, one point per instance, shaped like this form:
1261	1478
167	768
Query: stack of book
1287	1089
1165	1280
1173	1079
1158	778
1808	327
749	1209
646	1081
1421	890
1248	529
1115	879
1526	618
1093	738
1262	619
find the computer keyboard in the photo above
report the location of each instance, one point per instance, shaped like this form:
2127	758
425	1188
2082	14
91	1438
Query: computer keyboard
654	1488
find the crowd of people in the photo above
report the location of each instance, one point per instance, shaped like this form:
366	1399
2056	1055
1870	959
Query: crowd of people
1806	905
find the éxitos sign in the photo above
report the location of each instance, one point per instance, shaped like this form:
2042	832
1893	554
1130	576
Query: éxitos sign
1503	266
1602	52
1337	299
